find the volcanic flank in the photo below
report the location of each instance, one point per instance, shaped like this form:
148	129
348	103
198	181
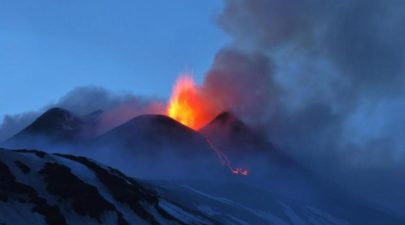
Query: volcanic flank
153	142
158	143
191	137
55	126
231	134
156	133
198	156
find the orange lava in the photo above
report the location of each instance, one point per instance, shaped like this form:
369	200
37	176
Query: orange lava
225	161
188	105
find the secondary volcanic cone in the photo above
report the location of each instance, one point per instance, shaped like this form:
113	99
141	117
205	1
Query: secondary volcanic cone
190	106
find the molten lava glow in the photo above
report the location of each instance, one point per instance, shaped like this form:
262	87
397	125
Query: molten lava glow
225	161
188	105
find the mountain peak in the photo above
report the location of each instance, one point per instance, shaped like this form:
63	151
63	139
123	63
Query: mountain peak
182	152
55	120
158	122
225	117
226	123
155	131
57	111
56	125
231	134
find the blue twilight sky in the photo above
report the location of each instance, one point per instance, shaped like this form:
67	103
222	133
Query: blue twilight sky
48	47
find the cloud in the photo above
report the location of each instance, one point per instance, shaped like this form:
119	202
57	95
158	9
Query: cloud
12	124
240	82
117	108
325	78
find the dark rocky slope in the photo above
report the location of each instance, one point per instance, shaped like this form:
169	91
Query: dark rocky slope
56	189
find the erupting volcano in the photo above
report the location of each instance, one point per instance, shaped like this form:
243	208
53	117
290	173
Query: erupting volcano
189	105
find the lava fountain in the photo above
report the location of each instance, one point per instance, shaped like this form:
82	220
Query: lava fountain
190	106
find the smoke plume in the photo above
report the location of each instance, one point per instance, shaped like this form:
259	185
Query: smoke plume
326	78
116	109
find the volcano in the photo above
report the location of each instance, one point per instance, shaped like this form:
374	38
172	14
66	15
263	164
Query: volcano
234	136
149	140
243	144
42	188
156	143
144	139
55	127
155	133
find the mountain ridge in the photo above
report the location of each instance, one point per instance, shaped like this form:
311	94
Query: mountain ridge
66	189
39	188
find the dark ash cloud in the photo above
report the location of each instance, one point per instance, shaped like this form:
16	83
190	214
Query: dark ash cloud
328	79
325	79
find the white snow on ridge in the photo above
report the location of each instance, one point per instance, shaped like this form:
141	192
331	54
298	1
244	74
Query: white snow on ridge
15	213
317	216
300	216
180	214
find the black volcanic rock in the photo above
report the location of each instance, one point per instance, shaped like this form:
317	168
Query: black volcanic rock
85	199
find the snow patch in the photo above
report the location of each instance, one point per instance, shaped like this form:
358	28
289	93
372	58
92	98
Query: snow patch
180	214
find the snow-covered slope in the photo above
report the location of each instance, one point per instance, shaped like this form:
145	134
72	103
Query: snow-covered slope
40	188
244	204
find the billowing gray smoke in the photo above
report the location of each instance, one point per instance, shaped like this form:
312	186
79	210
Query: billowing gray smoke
117	109
12	124
327	78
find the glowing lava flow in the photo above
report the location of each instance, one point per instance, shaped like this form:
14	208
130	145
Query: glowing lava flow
225	161
189	106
